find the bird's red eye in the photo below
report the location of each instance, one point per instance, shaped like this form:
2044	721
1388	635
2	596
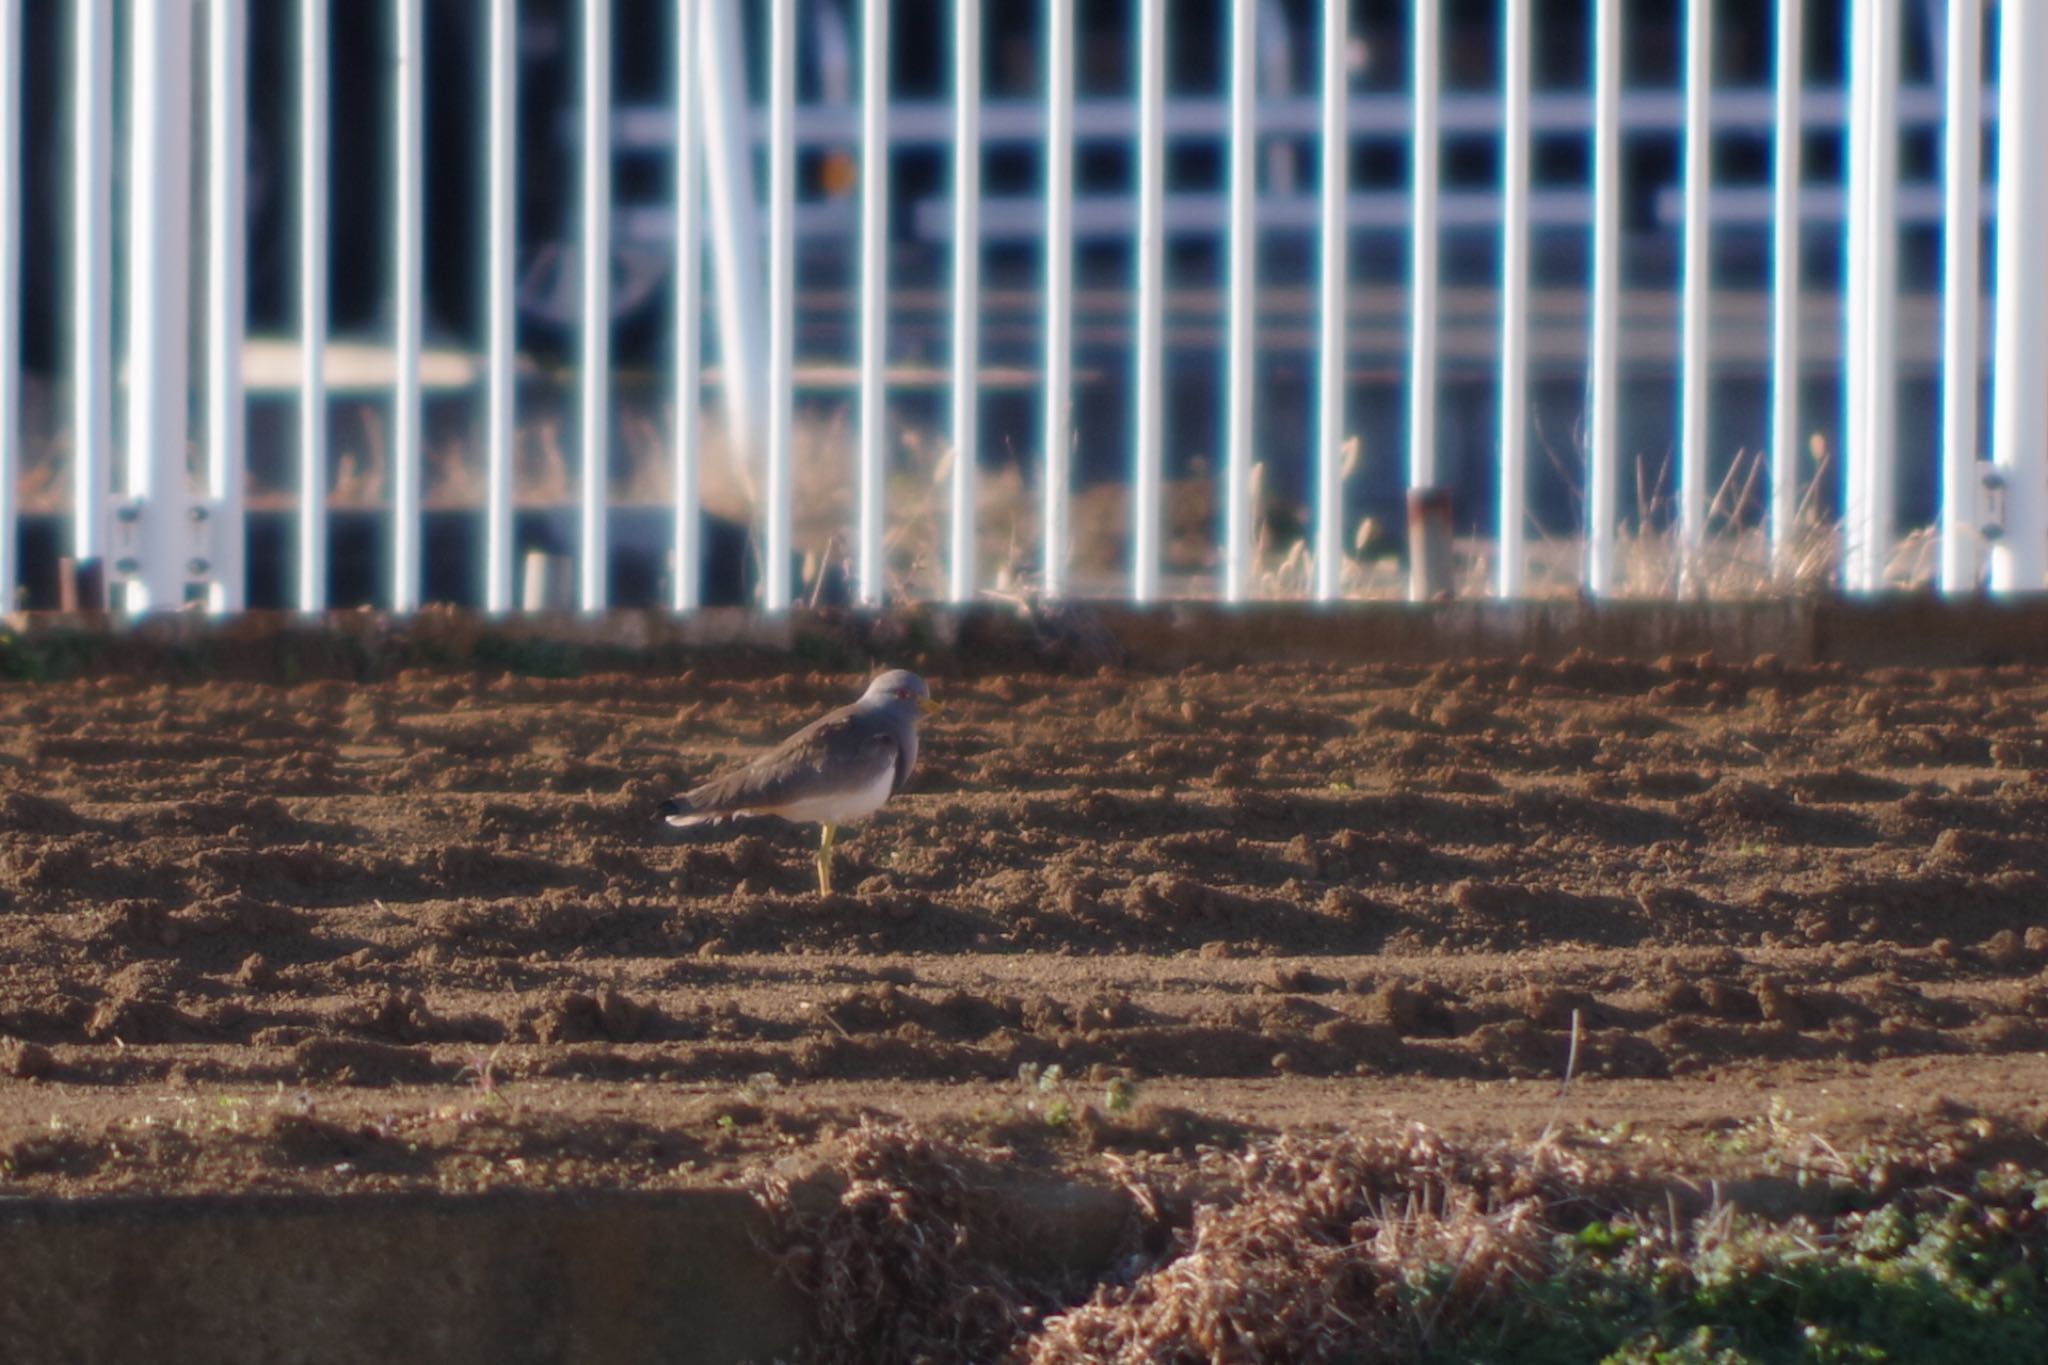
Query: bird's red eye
904	693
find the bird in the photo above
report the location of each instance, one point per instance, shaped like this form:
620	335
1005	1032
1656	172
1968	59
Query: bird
838	769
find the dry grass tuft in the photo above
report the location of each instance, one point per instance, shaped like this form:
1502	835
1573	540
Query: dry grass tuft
895	1245
1296	1250
1327	1252
1733	557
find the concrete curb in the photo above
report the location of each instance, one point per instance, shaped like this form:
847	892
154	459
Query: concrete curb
594	1277
1920	631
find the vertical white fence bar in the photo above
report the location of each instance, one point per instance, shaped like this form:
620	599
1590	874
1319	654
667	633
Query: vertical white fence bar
687	592
1426	149
1603	464
10	288
313	257
735	224
1242	246
1855	298
1882	394
409	168
1962	561
159	274
227	104
778	488
1059	284
964	559
1694	341
597	303
1514	302
1872	282
874	295
1785	293
2019	413
502	208
1150	251
1331	302
92	272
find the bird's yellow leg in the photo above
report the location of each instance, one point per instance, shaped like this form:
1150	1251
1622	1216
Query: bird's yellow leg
825	859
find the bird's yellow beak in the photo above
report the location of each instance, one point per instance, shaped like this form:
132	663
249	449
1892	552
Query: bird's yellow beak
932	706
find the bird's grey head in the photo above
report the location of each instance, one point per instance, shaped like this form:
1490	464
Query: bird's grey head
901	691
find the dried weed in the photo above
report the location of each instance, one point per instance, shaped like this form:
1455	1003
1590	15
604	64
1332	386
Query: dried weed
895	1244
1296	1250
1328	1252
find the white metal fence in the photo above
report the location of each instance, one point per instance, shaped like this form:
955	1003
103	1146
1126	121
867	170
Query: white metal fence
171	531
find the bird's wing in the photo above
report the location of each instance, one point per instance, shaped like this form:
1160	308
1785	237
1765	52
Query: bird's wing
906	756
845	751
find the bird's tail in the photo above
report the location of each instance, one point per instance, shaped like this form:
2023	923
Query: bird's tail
680	812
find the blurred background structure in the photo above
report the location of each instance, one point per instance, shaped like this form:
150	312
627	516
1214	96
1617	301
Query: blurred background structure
520	303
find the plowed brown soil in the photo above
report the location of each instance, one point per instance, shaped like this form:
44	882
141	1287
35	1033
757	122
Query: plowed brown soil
426	931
